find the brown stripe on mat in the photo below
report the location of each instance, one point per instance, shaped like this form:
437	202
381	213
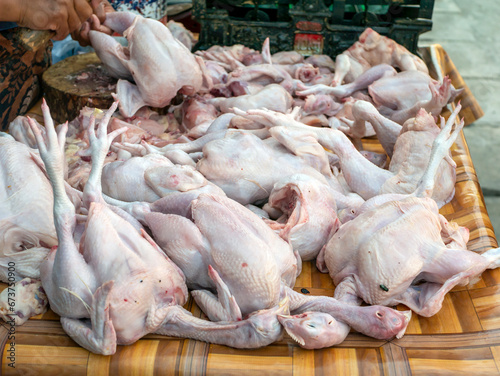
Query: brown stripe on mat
272	360
167	357
135	359
369	362
446	362
395	360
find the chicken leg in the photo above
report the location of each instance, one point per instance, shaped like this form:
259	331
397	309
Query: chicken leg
66	266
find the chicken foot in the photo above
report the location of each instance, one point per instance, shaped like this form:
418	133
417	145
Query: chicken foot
66	259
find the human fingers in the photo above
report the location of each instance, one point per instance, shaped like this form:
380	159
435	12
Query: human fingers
96	25
74	22
101	7
83	9
82	35
98	8
61	27
104	29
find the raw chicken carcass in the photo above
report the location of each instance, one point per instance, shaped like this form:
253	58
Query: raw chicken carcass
252	275
403	251
229	57
158	63
247	168
398	96
372	49
182	34
96	281
287	58
272	96
309	213
252	271
26	223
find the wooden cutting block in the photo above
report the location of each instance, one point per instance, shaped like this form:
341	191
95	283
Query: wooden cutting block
76	82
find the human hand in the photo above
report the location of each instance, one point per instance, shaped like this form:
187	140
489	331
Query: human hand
95	22
61	16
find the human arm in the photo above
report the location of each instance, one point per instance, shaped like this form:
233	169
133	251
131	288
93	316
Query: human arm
10	11
61	16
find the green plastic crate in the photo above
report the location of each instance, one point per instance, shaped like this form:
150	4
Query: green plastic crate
309	27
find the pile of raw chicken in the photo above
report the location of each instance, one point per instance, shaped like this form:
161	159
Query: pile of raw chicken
114	219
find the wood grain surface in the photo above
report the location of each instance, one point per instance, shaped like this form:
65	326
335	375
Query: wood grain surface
462	339
76	82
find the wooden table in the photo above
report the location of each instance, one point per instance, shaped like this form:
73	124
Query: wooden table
463	338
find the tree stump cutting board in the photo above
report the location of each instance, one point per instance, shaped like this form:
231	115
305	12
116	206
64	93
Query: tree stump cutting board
76	82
